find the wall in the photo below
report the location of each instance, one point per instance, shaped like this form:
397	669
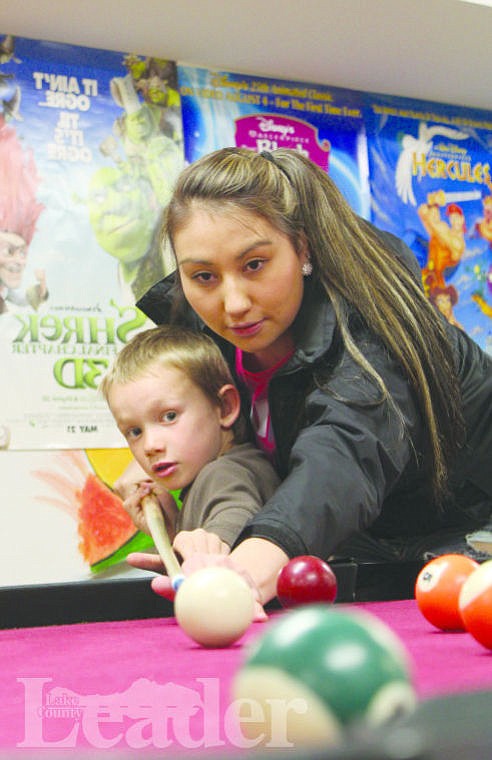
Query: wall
433	49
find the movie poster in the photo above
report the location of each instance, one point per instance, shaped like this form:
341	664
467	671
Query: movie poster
91	143
431	185
222	109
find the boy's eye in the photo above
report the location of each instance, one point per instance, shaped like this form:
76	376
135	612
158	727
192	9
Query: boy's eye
133	432
169	416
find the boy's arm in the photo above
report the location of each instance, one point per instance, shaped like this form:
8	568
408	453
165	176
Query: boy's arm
226	494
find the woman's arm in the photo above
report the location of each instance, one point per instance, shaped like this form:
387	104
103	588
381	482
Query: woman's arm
262	560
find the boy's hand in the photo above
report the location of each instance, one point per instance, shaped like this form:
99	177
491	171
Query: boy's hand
133	505
129	480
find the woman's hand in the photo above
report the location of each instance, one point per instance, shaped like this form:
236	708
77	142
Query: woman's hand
199	541
146	561
186	544
162	584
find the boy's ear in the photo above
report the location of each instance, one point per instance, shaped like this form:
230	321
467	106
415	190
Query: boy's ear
230	405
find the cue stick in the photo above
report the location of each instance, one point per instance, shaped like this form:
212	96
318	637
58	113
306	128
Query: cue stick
157	526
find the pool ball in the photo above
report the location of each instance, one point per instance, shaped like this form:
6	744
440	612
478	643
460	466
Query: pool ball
305	580
318	671
437	590
214	606
475	604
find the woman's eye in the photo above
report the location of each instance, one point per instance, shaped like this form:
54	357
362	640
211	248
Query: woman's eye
255	265
203	277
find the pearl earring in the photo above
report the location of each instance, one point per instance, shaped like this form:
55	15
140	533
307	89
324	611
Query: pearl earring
307	269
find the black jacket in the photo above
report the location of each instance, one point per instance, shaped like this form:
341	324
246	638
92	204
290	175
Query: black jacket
346	467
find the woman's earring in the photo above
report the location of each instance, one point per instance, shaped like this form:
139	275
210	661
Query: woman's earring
307	269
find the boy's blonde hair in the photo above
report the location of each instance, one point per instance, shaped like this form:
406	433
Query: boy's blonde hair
193	353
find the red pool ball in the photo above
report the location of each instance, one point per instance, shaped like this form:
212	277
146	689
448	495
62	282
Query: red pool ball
475	604
304	580
438	587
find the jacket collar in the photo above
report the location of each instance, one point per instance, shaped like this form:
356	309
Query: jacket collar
157	301
314	327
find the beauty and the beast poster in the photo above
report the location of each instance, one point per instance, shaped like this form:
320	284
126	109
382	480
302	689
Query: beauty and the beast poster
325	123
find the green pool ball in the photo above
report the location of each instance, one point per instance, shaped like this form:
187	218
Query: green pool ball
318	671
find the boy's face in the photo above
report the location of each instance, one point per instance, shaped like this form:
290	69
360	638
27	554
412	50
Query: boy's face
171	427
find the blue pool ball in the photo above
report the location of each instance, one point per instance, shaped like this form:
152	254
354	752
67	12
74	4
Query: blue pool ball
318	671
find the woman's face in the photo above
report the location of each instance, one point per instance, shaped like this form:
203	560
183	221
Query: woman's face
243	278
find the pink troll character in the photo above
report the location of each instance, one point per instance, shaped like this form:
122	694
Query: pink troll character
19	212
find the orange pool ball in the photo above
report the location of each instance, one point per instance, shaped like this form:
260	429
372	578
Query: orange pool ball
438	587
475	603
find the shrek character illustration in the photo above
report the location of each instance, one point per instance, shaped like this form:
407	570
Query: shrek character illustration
123	213
146	148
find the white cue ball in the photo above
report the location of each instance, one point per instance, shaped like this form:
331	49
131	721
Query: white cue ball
214	606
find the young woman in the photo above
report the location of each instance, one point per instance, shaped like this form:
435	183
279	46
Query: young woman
376	412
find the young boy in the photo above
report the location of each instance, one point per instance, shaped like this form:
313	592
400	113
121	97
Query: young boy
173	398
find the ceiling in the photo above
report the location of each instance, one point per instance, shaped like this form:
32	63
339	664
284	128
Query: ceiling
438	50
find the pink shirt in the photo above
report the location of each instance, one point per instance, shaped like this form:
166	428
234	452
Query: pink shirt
257	384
